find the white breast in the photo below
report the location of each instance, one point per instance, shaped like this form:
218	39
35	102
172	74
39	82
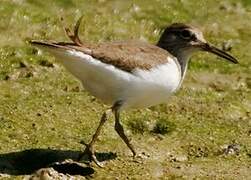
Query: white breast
156	85
138	89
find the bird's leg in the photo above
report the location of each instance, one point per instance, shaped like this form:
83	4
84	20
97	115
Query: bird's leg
89	150
119	128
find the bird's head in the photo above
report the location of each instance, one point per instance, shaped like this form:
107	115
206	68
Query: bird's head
183	40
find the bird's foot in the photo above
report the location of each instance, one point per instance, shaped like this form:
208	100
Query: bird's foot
89	154
141	157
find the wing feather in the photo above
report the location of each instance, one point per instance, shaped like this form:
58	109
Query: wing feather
127	56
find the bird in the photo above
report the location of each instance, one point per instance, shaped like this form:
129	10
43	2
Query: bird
130	74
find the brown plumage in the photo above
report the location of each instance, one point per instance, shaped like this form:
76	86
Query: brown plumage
123	55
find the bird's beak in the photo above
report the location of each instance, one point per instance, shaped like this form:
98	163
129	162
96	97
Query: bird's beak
209	48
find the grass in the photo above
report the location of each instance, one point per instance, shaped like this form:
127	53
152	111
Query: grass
43	106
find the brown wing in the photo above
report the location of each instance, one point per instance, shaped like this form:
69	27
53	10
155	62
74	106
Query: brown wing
124	55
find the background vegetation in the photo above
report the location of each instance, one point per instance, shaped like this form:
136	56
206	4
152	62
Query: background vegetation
203	133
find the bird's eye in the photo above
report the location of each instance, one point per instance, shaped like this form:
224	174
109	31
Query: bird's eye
186	34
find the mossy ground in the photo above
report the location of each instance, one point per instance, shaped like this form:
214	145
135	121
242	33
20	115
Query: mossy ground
204	132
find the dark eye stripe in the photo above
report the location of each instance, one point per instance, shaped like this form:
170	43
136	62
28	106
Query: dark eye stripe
186	34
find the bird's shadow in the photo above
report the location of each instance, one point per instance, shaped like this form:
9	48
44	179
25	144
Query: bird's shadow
29	161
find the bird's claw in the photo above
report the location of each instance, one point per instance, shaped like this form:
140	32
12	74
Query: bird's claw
89	152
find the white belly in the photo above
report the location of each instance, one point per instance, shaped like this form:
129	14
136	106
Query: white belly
110	84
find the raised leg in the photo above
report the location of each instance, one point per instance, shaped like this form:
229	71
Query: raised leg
89	150
120	130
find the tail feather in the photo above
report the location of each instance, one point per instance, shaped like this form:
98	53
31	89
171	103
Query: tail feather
51	44
60	46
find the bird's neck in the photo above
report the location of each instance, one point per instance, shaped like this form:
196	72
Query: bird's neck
182	58
183	62
182	54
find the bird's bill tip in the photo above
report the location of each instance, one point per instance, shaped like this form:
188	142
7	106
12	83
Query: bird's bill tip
212	49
